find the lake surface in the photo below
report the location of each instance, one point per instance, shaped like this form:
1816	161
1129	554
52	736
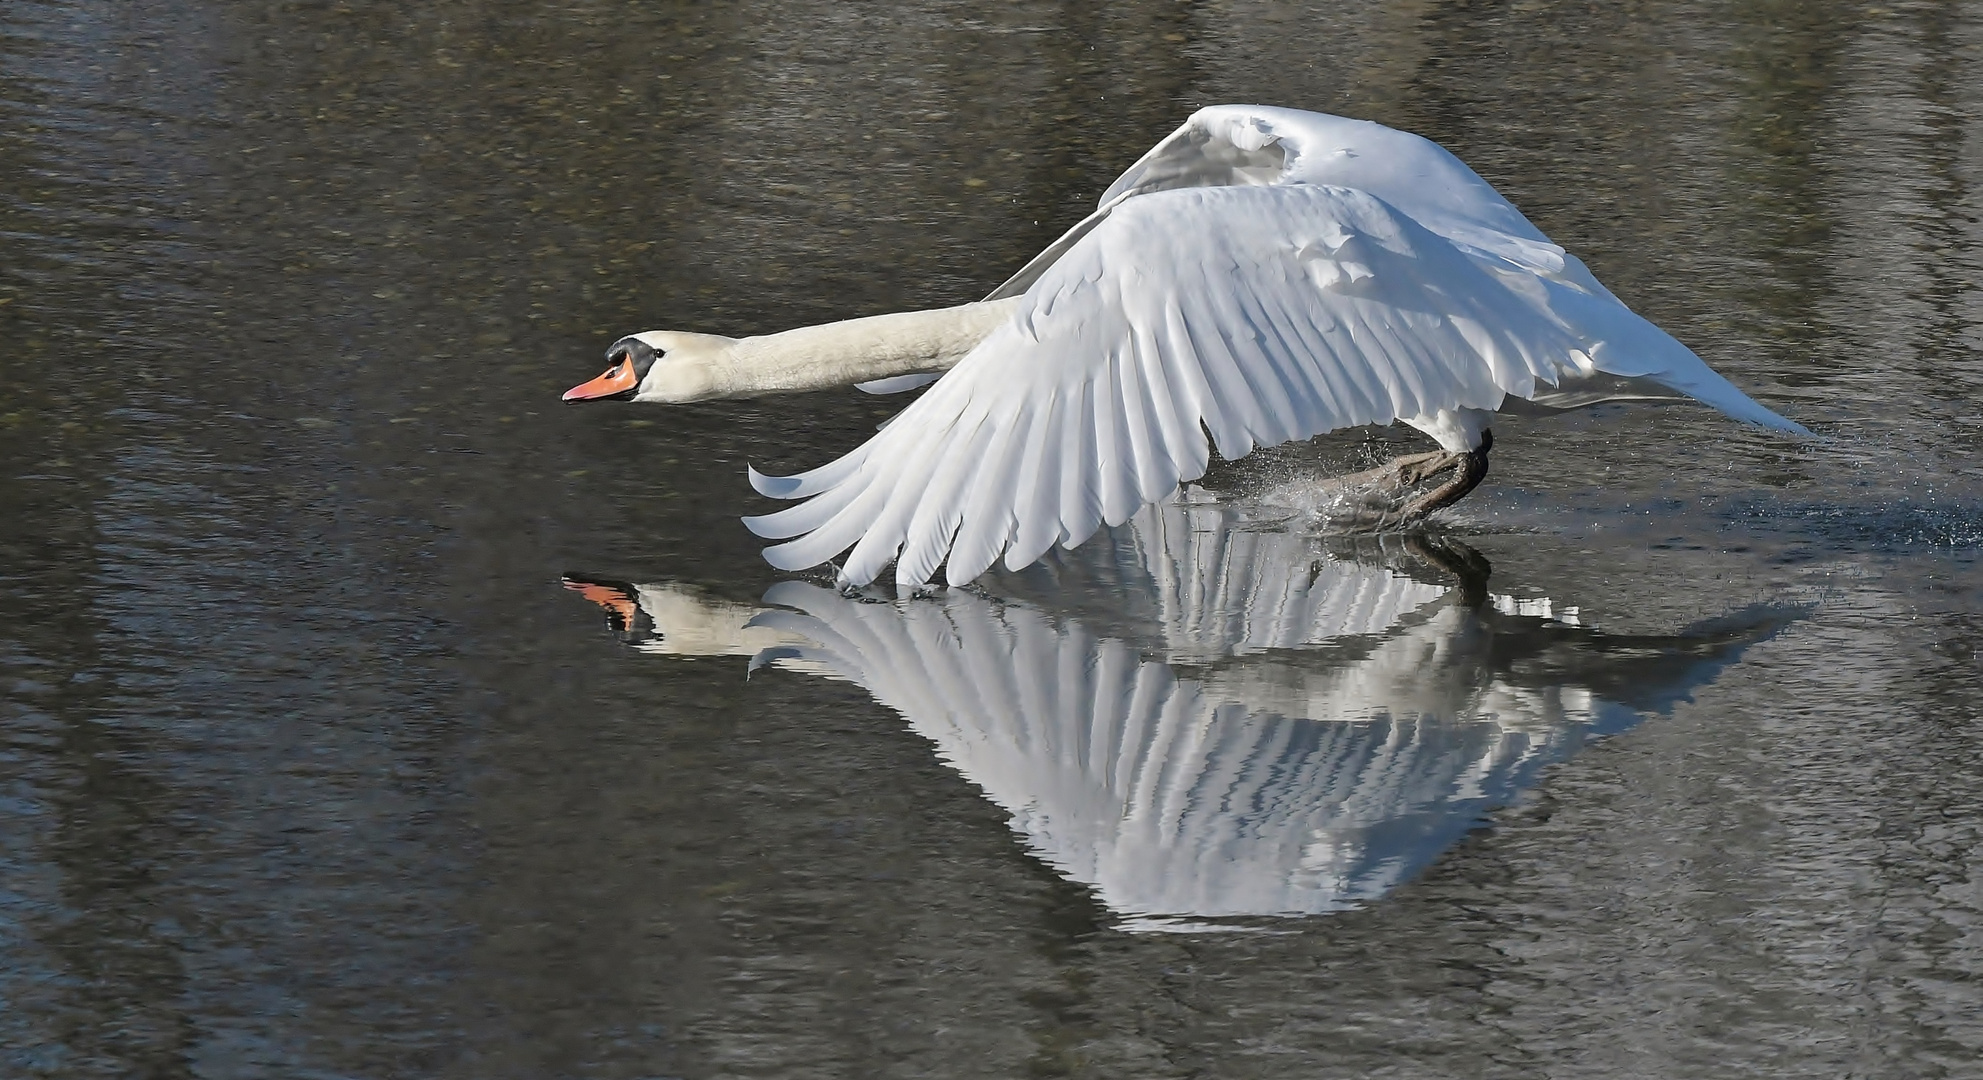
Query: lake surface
1660	756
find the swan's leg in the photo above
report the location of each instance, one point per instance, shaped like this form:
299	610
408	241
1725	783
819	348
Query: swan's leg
1390	495
1469	469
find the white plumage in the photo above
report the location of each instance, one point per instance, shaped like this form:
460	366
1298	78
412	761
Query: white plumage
1264	275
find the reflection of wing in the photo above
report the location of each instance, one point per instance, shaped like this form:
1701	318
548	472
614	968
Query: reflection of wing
1277	783
1218	587
1231	722
1165	794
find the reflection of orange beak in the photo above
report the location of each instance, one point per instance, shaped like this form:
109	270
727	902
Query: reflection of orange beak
619	379
620	608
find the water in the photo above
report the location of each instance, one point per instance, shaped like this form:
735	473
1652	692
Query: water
313	767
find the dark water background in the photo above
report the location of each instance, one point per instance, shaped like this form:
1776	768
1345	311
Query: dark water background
309	768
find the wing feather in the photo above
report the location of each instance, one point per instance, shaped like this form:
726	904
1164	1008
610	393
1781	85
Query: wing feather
1371	393
809	515
865	494
1144	455
991	510
1256	314
1288	388
1195	412
935	517
807	483
1173	406
1225	385
898	384
1033	520
887	534
1080	474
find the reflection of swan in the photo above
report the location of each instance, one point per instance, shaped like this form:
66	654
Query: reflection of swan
1297	755
1262	274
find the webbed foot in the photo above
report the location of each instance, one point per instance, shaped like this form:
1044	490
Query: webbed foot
1406	489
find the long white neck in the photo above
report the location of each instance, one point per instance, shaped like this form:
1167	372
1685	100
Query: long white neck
855	351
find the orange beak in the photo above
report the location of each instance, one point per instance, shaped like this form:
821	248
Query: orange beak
619	379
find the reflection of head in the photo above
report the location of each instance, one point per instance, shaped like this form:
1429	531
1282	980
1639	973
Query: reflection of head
669	620
1232	722
629	622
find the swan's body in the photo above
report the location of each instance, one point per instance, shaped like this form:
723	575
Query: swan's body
1263	275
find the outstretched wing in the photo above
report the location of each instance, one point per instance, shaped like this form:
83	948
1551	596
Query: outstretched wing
1259	314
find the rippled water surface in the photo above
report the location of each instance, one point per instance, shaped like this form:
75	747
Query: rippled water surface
1660	757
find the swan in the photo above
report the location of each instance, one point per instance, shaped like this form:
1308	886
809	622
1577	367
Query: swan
1261	275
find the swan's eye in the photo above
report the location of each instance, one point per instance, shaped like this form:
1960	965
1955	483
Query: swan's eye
633	352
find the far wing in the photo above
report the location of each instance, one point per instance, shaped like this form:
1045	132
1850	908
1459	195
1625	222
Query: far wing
1208	150
1259	314
1258	146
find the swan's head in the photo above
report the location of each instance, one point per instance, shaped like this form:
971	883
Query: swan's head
658	365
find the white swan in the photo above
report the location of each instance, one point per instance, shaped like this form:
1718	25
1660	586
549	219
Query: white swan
1262	275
